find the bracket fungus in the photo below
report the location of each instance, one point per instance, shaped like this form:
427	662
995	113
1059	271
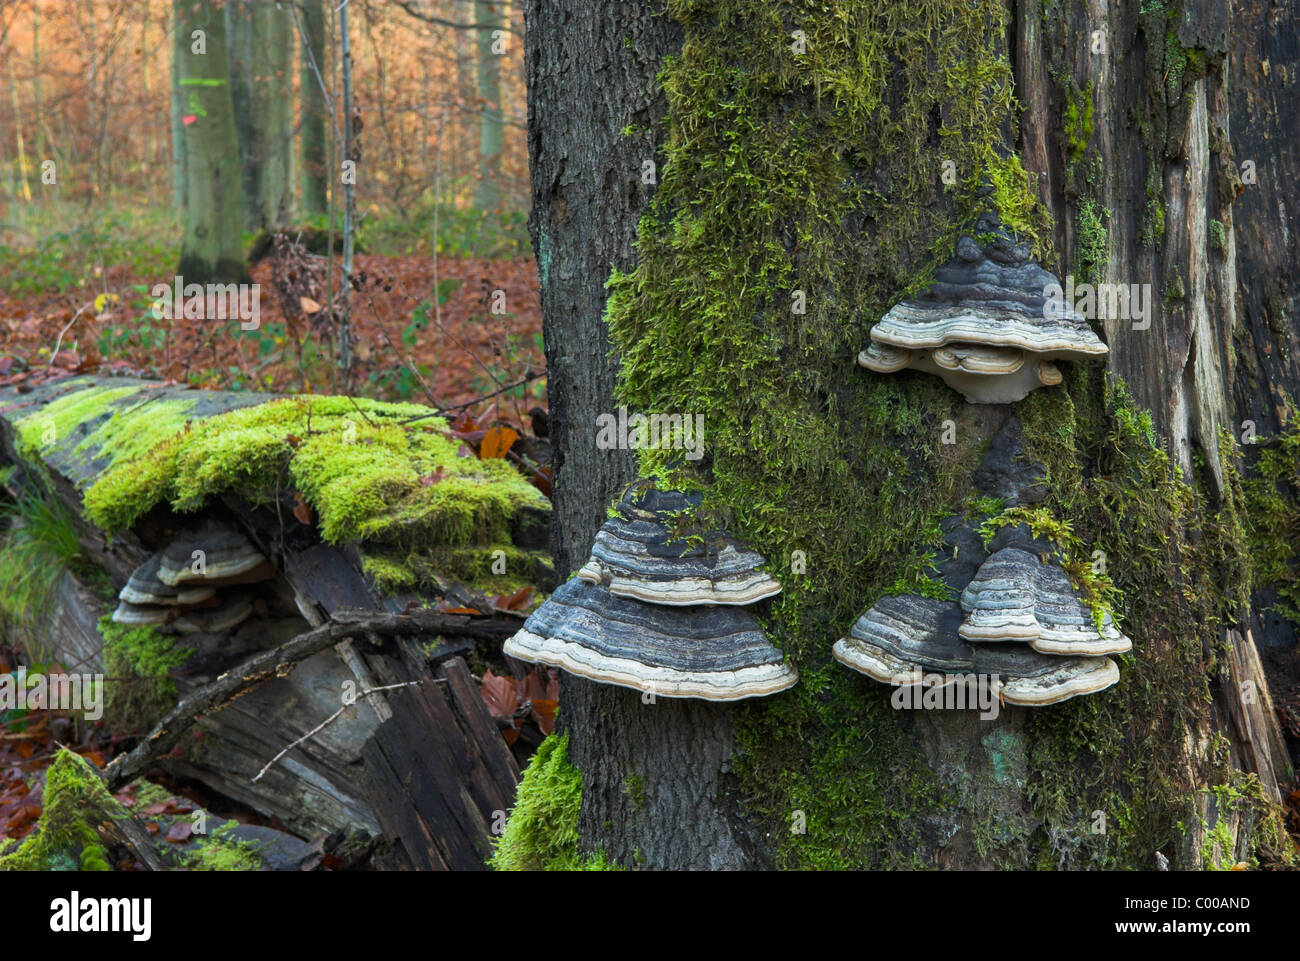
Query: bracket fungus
173	590
212	555
987	325
146	587
229	614
636	555
901	636
1016	596
654	611
139	615
713	652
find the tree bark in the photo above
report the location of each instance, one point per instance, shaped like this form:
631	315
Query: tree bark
315	181
261	86
489	19
661	782
211	251
179	174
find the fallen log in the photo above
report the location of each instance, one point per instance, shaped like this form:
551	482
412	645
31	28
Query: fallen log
278	663
348	606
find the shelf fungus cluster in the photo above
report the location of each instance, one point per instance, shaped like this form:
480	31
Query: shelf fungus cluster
192	586
988	324
1011	614
660	612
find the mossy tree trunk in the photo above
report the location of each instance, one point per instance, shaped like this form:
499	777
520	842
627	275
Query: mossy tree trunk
211	250
767	149
588	194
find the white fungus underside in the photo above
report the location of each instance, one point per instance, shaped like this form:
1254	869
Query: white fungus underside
1018	620
193	595
984	386
1052	688
123	615
747	682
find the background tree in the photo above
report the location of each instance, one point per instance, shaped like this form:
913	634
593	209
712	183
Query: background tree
261	85
211	249
177	111
801	147
312	70
491	21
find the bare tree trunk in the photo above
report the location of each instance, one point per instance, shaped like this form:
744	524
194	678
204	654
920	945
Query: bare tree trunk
261	64
314	174
179	175
576	122
18	136
351	153
490	21
211	250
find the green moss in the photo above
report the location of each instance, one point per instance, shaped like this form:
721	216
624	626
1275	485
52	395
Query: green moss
1016	203
634	789
1218	237
1273	519
542	832
1182	66
64	417
1175	64
430	569
367	475
1092	240
819	174
66	839
1153	218
1240	804
137	660
1039	520
980	506
219	851
1077	120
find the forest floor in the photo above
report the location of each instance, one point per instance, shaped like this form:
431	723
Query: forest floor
461	351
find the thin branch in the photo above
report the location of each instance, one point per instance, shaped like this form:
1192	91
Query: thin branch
280	662
58	343
529	378
333	717
418	14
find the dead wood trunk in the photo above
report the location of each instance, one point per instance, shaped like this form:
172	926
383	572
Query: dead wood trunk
423	767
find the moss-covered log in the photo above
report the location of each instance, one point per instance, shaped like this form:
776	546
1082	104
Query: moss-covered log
813	163
357	504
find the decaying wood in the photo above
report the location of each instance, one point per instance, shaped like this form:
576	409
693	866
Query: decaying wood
1258	735
368	771
131	832
278	663
439	792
